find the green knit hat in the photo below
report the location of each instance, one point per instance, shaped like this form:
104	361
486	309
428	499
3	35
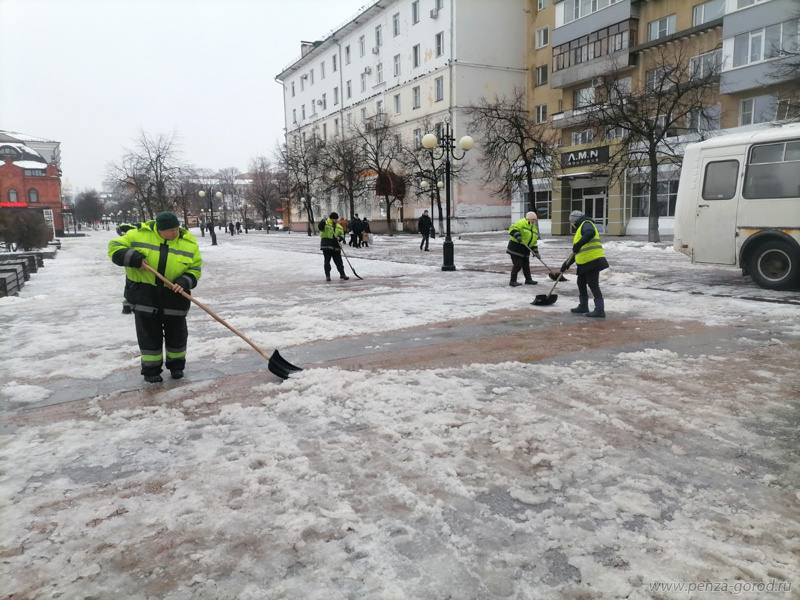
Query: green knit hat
166	220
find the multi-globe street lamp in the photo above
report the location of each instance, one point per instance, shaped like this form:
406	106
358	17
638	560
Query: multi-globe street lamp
446	149
218	196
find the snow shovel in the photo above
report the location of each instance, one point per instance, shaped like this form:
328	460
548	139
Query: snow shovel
550	297
552	274
275	363
351	266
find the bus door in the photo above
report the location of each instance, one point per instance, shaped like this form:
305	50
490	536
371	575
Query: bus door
715	225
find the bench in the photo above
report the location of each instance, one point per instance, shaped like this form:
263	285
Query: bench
30	261
23	262
9	285
14	277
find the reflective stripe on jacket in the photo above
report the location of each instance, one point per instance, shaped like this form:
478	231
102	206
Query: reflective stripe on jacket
528	238
328	236
591	250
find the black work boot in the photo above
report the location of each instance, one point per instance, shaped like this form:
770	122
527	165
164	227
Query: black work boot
153	378
514	284
327	277
583	305
599	309
530	282
343	277
177	373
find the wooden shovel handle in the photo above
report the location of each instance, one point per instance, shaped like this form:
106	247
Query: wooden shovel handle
213	315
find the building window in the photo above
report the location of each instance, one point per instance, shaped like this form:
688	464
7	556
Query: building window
541	113
294	115
415	97
363	82
667	196
602	42
438	130
661	78
788	109
708	11
542	37
706	119
364	113
705	65
335	127
312	76
397	65
438	4
362	46
417	138
347	55
379	72
303	82
324	101
336	96
396	24
439	82
439	43
313	107
540	4
542	203
33	195
583	97
767	42
720	180
349	119
334	63
757	110
746	3
397	104
570	10
379	107
661	28
322	70
12	196
324	131
541	75
293	89
582	137
349	88
415	56
773	171
302	111
616	133
378	36
415	12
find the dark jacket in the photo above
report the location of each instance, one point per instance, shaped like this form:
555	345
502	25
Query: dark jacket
365	225
587	233
424	225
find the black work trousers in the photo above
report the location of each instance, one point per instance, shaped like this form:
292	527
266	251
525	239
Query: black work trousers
426	236
521	263
153	333
592	280
330	253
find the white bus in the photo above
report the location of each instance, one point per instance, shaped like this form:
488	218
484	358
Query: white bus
739	204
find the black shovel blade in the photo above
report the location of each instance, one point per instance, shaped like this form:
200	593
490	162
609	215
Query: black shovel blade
545	299
554	276
280	366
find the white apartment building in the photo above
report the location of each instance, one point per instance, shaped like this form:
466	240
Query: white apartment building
415	61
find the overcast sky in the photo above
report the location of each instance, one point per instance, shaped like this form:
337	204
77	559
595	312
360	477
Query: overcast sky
93	73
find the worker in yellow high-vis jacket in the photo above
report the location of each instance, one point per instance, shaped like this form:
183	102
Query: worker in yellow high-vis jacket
588	254
159	309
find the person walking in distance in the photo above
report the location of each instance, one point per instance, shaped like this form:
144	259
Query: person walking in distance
331	235
365	232
523	240
424	225
159	309
588	253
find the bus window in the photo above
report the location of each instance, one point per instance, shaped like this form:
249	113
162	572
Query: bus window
773	171
720	180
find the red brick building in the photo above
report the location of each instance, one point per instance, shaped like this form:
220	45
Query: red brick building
30	177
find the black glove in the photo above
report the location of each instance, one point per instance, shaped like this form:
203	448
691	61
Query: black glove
136	259
566	265
535	252
576	248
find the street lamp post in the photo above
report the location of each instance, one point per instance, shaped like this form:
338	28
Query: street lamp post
447	150
218	196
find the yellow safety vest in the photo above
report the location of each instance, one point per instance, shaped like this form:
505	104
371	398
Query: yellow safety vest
591	250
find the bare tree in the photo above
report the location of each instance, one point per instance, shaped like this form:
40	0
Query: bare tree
185	190
514	148
381	148
263	193
228	182
300	159
646	122
343	166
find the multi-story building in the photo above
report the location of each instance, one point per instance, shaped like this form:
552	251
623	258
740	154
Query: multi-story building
30	177
413	63
590	39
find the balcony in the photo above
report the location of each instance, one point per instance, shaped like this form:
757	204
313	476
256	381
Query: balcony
570	118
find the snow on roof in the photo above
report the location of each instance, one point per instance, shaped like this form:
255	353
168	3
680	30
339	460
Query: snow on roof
23	137
754	135
30	164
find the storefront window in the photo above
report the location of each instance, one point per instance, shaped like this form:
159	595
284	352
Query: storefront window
639	197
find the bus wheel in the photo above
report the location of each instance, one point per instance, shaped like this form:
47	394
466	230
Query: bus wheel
775	265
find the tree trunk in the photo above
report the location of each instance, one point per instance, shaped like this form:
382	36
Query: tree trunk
531	194
439	206
388	215
310	213
402	212
652	223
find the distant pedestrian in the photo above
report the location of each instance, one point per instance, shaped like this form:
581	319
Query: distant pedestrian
523	240
365	232
355	232
238	227
203	229
424	225
588	253
159	309
231	228
331	235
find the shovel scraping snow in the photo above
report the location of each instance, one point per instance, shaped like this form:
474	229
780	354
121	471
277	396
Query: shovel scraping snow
550	297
